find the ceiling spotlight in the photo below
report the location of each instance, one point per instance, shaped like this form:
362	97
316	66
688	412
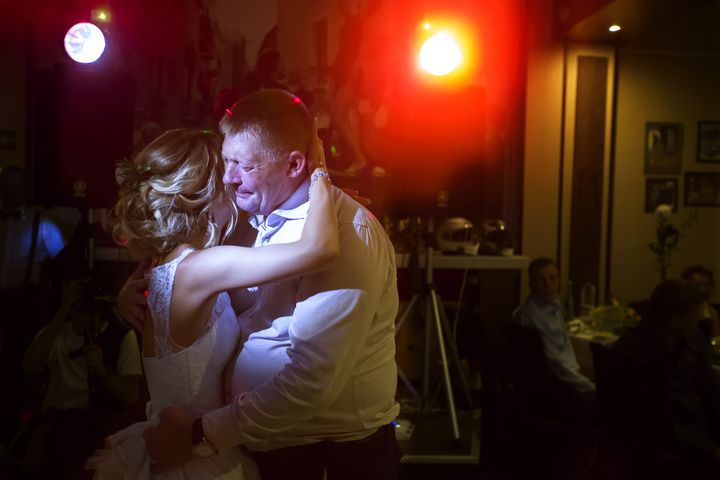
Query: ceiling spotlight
614	28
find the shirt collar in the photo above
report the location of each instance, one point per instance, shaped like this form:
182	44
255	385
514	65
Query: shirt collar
294	208
544	307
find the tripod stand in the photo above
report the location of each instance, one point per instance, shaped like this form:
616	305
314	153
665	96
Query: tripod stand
435	320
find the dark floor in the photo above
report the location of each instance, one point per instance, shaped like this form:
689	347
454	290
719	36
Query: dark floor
445	472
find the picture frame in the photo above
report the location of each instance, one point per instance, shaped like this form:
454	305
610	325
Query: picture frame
708	142
663	148
660	191
702	189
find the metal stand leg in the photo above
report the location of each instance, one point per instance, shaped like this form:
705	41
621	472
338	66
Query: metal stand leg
435	321
446	370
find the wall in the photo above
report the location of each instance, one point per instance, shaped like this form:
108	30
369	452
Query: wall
651	87
12	90
660	87
542	137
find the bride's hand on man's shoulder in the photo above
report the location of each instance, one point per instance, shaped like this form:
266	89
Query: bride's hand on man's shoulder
355	195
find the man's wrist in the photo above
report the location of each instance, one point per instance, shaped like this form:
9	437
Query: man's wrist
202	447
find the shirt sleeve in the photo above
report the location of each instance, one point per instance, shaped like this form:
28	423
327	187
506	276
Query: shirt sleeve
128	362
328	334
561	360
564	366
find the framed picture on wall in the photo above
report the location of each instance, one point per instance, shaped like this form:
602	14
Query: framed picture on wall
708	145
660	191
702	189
663	148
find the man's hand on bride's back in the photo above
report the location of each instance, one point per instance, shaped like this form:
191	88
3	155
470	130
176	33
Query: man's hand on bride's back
131	302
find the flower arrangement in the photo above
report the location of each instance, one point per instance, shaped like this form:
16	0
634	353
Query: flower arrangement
613	318
668	236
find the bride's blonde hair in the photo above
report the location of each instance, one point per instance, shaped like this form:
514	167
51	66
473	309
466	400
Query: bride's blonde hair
168	190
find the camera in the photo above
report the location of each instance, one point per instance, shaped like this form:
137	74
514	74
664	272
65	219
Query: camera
92	295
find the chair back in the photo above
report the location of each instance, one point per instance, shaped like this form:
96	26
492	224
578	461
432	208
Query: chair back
528	374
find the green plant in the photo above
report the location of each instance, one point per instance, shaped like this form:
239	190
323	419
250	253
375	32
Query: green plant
668	236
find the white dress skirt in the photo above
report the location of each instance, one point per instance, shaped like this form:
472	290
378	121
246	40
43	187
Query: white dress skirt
190	377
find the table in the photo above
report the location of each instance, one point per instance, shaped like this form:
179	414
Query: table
583	353
581	345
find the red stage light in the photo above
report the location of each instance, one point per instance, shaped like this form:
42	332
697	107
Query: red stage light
440	54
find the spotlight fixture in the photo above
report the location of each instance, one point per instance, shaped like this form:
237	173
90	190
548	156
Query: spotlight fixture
84	42
614	28
101	15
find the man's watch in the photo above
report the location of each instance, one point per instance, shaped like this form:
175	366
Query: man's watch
201	445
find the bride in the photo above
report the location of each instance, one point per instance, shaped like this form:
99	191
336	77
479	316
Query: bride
167	199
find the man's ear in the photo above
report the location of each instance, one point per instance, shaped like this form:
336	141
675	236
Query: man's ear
297	164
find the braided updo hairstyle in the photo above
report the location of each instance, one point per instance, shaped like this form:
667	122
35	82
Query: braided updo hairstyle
167	193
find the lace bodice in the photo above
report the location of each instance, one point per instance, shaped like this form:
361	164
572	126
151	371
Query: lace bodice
193	376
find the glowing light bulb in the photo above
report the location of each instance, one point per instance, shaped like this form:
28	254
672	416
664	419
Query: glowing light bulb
440	54
614	28
84	42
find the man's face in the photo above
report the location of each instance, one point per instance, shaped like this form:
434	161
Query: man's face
544	284
259	185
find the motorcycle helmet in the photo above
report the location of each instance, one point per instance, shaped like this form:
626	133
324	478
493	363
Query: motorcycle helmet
497	239
456	235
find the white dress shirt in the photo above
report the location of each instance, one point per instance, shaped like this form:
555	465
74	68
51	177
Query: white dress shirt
68	385
319	360
549	320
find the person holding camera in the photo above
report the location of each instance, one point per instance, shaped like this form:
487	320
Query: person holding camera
94	371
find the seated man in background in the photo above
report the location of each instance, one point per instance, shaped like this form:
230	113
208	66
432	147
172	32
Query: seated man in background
665	375
543	312
566	395
94	371
702	278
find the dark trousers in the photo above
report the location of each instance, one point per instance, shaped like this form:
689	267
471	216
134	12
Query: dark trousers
376	457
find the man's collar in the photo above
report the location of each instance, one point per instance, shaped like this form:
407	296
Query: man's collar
540	305
294	208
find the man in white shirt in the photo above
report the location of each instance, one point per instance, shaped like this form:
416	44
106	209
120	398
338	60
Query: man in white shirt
94	373
314	384
544	313
27	241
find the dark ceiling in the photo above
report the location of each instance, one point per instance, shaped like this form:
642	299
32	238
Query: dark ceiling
690	26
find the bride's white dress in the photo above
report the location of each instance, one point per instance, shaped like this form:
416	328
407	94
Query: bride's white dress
190	377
